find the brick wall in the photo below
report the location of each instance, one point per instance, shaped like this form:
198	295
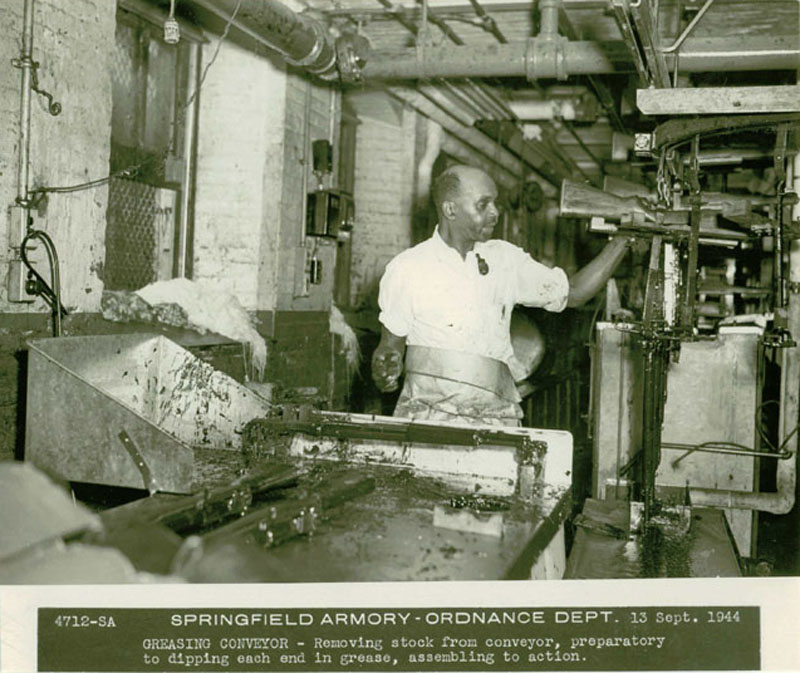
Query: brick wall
73	42
239	163
384	194
257	124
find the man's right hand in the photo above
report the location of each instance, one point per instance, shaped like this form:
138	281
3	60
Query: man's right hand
387	366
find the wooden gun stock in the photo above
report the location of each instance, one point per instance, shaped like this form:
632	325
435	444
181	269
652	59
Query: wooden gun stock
580	200
724	203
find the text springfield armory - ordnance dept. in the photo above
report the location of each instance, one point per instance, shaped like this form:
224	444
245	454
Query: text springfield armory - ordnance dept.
390	618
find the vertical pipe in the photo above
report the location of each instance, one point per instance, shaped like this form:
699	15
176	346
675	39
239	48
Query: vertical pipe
548	17
332	128
794	250
305	161
780	280
26	65
190	116
790	403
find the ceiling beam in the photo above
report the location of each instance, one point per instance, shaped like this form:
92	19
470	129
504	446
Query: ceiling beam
719	100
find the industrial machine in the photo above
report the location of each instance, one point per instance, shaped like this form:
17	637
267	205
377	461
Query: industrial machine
202	479
680	390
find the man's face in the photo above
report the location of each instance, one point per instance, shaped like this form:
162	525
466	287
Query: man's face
475	210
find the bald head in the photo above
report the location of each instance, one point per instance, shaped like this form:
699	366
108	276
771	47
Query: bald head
449	183
465	202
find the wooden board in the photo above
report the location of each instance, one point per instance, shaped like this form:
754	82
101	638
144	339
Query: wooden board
719	100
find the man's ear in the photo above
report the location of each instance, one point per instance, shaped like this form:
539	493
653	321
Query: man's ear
448	209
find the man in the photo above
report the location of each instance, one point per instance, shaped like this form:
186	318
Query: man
446	304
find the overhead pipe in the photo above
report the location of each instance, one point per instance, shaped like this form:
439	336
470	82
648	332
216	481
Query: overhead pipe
501	132
501	105
515	59
481	98
435	95
461	151
533	60
467	134
546	160
469	103
306	43
301	40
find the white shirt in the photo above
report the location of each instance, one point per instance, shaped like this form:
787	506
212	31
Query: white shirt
433	297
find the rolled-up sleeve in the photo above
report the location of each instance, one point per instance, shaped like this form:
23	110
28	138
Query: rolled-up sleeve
539	285
394	300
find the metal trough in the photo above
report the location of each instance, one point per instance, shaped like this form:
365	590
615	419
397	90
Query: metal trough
129	410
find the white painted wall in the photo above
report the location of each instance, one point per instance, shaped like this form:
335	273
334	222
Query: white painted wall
73	42
239	165
384	192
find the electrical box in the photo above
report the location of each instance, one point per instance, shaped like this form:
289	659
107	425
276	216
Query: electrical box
328	211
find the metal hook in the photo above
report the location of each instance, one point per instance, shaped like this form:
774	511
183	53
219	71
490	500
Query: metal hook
53	107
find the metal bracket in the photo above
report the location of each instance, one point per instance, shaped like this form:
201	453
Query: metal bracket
545	58
309	59
781	137
53	107
643	144
626	27
351	56
646	26
147	475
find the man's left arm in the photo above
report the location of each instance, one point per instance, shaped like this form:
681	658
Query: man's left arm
589	280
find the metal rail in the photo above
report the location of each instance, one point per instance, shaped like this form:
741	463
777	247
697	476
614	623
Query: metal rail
689	28
720	447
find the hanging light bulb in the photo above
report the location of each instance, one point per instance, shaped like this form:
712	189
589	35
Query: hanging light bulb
172	31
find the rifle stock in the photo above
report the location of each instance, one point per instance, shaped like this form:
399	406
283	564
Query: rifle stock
580	200
622	187
725	203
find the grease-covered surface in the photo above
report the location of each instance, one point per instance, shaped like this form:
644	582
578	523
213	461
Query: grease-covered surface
213	467
389	535
672	545
160	395
381	531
